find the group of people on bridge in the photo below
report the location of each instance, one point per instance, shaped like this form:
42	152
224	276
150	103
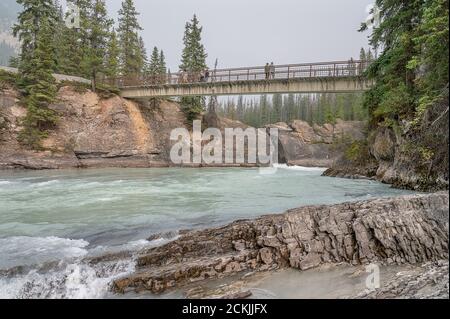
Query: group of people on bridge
269	69
193	77
350	68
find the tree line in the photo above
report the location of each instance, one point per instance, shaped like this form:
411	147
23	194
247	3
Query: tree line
411	76
314	109
411	72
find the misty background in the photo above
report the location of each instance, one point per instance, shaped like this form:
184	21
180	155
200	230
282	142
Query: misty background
240	32
253	32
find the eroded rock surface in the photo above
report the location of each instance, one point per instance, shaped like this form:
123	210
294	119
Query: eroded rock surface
306	145
92	132
95	131
411	156
427	282
408	229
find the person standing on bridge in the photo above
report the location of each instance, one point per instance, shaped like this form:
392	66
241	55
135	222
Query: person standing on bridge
272	71
267	70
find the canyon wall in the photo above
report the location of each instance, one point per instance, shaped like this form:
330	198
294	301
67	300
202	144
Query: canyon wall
95	130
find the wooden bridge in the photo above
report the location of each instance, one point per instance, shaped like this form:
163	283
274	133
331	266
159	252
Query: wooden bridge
325	77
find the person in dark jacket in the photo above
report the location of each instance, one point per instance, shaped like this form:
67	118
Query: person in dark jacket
267	71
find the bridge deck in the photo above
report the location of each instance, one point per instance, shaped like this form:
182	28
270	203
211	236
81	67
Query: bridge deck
336	76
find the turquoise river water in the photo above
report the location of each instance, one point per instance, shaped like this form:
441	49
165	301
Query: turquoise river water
50	221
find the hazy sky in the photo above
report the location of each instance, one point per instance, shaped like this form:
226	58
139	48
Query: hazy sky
252	32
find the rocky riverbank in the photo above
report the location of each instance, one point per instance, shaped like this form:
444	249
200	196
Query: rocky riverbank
407	155
104	130
403	230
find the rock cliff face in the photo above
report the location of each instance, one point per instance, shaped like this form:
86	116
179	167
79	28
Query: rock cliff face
92	132
412	156
409	229
305	145
113	132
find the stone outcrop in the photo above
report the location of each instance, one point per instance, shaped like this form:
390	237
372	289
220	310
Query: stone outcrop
95	131
409	229
92	132
408	155
306	145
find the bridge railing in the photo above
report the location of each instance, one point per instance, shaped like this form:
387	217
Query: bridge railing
352	68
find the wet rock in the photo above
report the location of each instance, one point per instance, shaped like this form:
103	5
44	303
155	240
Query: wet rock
306	145
312	260
238	295
266	256
230	292
430	281
408	229
166	235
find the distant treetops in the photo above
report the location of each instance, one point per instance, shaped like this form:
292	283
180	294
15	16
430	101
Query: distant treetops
96	49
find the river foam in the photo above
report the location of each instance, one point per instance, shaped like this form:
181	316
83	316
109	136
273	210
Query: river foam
53	222
300	168
20	251
55	268
76	280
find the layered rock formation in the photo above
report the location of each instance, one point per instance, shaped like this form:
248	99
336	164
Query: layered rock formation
92	132
430	281
408	155
409	229
305	145
95	131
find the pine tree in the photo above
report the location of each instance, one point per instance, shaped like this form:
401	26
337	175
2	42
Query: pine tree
432	44
277	106
99	25
162	63
82	35
143	57
363	59
13	62
42	89
193	61
362	54
393	95
69	55
154	65
112	59
194	56
72	43
263	111
290	108
169	76
27	30
370	57
240	108
131	60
